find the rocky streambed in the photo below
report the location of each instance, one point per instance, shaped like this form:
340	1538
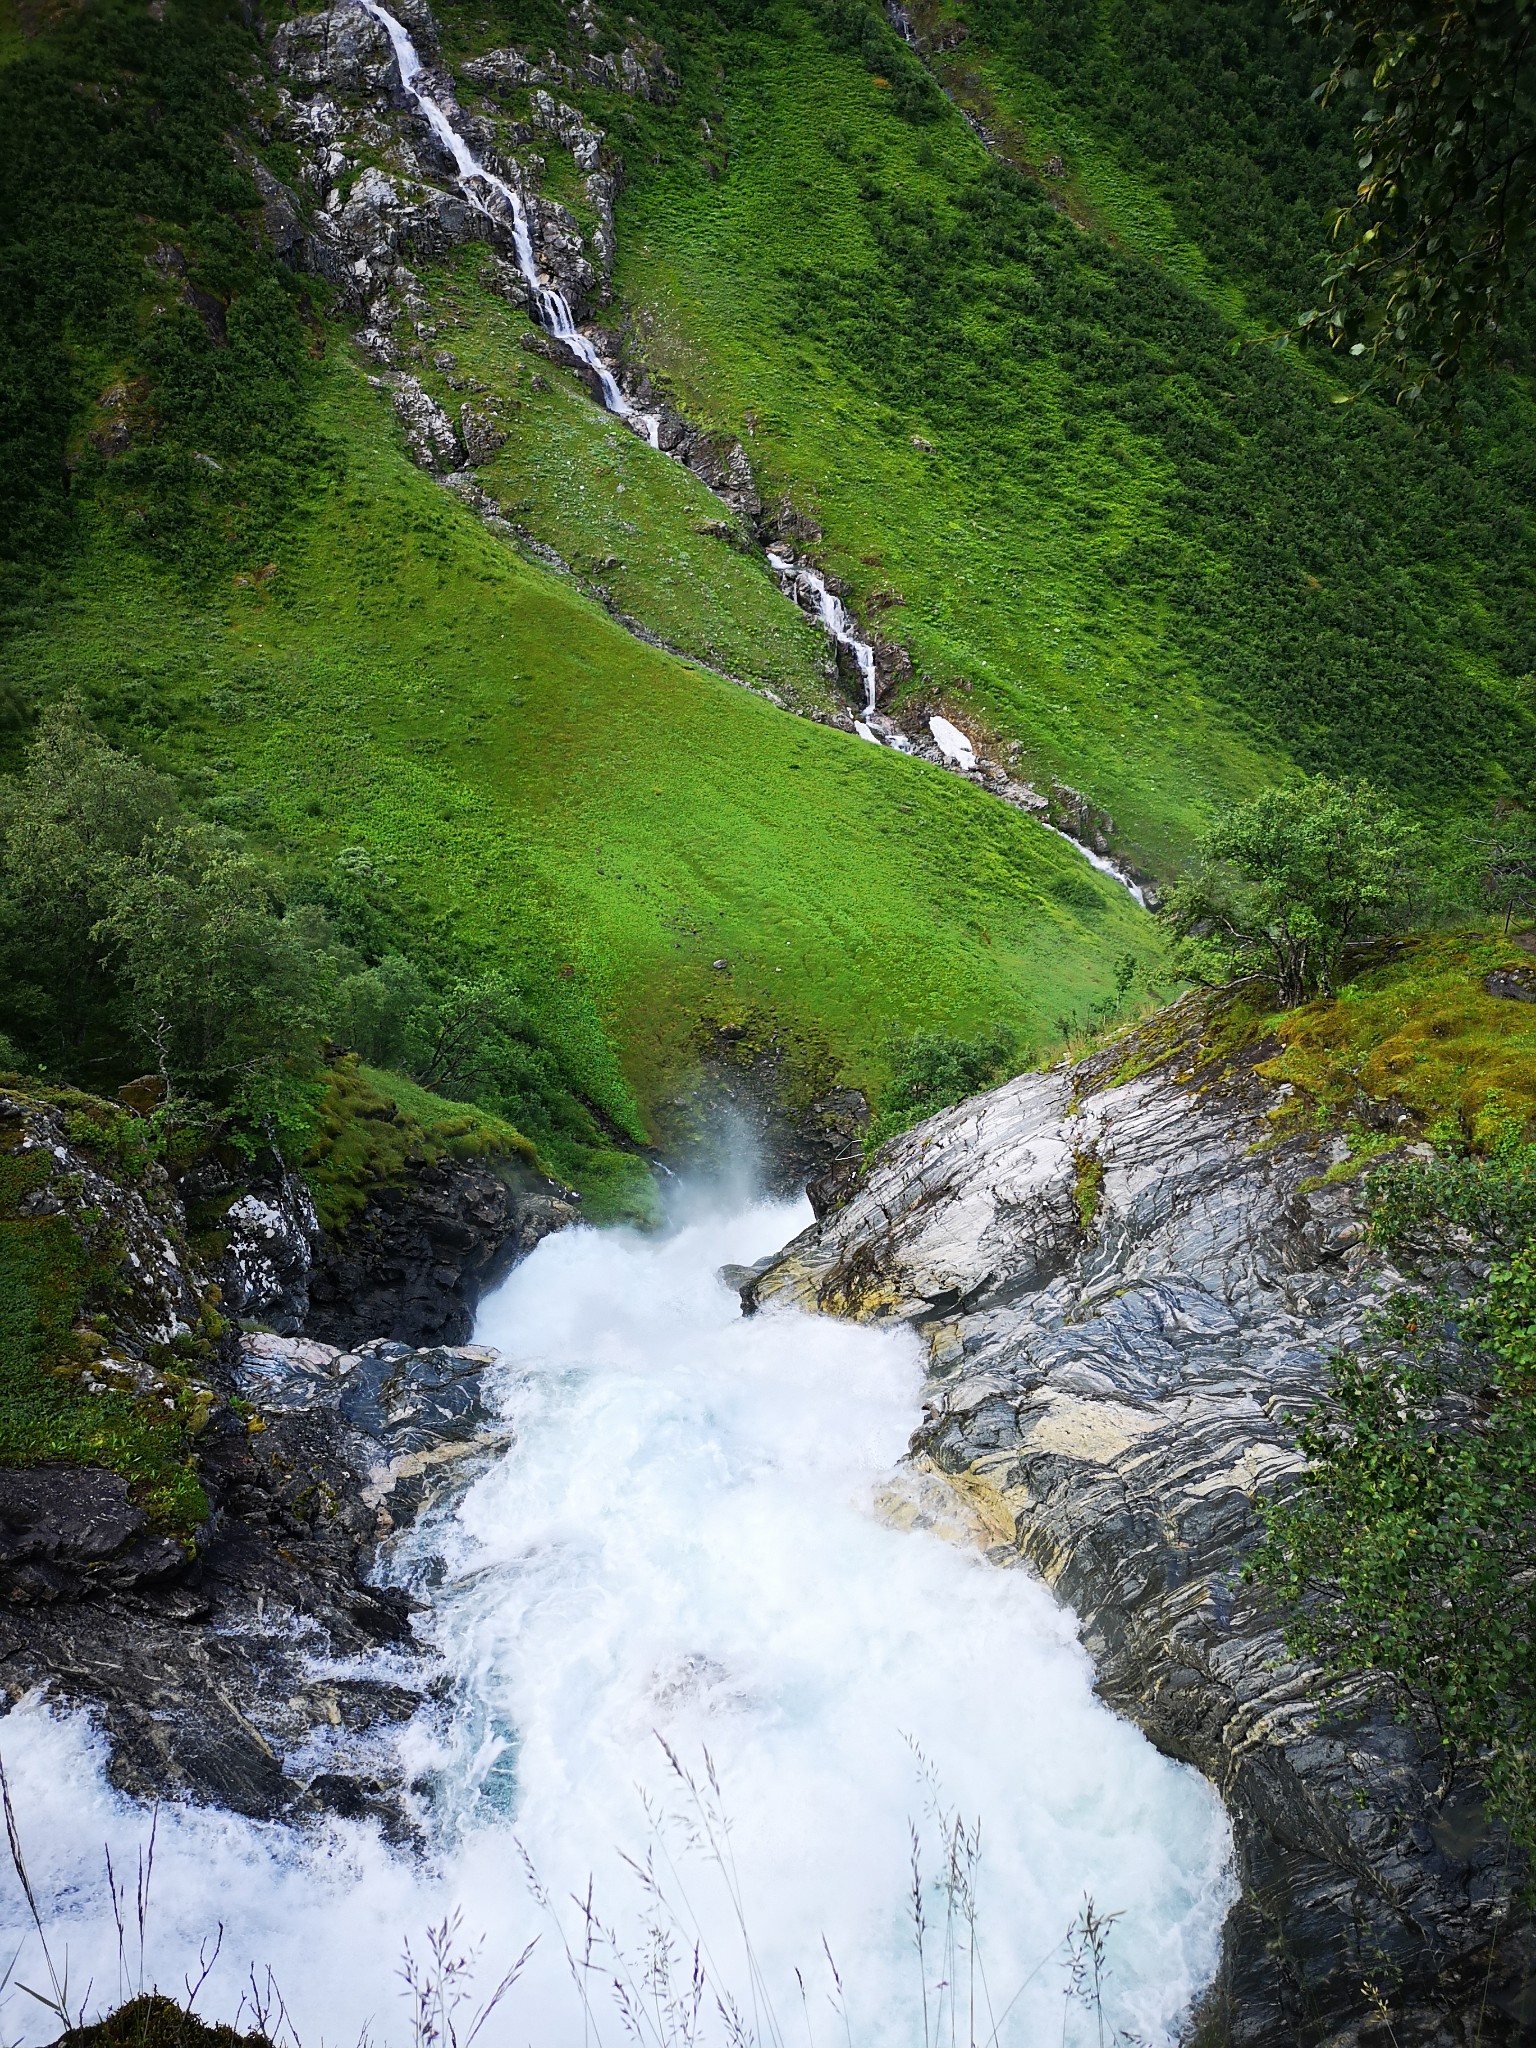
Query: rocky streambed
1127	1278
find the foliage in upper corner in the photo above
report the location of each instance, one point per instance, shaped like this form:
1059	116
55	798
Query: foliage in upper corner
155	360
1433	243
1285	883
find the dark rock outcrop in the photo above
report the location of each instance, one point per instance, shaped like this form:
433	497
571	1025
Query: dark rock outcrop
257	1225
202	1667
69	1529
1126	1288
414	1265
199	1658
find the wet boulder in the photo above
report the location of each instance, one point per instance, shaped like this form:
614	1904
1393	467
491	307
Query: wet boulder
344	49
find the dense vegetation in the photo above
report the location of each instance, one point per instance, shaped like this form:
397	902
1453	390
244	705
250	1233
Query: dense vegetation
1407	1551
432	797
1434	239
1158	560
1285	884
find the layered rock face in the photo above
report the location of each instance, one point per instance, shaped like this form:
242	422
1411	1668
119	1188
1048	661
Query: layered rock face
1127	1287
237	1671
414	1265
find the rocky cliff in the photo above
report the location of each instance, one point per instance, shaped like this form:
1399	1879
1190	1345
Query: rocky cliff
1129	1278
189	1508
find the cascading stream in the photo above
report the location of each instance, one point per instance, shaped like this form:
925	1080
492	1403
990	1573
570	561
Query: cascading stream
482	187
500	200
699	1530
797	578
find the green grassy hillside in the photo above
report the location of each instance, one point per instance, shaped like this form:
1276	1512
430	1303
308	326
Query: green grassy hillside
1167	568
1166	563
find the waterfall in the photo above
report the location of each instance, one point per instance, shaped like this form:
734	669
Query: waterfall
1104	864
699	1527
500	201
798	579
483	188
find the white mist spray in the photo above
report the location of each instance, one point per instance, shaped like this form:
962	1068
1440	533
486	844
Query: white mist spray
682	1543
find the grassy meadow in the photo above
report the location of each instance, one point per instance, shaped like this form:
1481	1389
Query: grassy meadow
1037	422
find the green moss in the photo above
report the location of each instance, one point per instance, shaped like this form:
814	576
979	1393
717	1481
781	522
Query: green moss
57	1279
1087	1187
154	2021
1420	1030
371	1128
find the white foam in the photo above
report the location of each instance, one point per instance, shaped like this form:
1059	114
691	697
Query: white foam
681	1541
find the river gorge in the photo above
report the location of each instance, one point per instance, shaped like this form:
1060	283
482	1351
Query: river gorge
695	1533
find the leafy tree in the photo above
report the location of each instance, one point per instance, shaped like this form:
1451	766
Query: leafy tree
1434	240
229	994
1284	883
1501	862
935	1069
69	826
1409	1548
131	932
931	1070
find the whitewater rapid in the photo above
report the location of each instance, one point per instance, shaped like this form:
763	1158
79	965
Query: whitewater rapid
684	1542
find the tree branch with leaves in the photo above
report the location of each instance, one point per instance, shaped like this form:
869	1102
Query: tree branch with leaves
1436	238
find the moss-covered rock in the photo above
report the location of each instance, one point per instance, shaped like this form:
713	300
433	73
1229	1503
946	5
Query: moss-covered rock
155	2022
107	1327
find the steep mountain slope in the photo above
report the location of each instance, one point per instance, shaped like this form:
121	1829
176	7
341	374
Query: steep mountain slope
1164	561
1111	549
249	579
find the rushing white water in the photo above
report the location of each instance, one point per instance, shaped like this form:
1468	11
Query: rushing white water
1104	864
500	200
799	579
682	1542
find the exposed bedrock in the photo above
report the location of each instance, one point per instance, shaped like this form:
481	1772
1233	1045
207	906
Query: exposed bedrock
415	1264
236	1671
1125	1288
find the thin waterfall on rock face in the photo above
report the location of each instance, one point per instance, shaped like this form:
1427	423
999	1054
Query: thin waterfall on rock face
483	188
1104	864
799	578
500	200
697	1526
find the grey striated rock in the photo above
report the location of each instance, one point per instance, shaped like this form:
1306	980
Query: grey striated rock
1126	1287
264	1274
429	433
66	1530
414	1265
410	1415
279	212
